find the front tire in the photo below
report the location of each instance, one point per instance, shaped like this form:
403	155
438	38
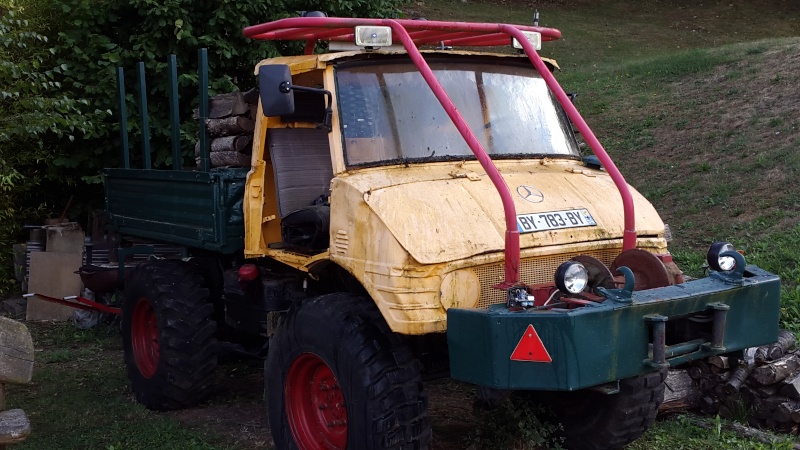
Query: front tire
338	378
168	335
595	421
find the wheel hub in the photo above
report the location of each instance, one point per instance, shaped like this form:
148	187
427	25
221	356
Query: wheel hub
315	405
144	338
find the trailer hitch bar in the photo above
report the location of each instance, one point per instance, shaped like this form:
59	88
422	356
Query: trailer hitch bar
78	303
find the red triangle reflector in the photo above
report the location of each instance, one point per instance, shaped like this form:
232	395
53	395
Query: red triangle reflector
530	348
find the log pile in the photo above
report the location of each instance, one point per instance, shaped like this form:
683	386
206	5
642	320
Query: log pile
230	126
764	385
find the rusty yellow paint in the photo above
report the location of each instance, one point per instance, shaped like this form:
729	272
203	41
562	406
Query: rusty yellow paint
297	64
456	218
411	235
335	136
253	205
405	291
460	289
305	63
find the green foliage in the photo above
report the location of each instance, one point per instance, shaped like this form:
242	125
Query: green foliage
518	423
101	35
58	63
36	114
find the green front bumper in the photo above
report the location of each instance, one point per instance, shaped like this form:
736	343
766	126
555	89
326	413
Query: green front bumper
598	344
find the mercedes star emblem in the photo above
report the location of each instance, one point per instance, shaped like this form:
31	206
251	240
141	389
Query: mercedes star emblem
530	194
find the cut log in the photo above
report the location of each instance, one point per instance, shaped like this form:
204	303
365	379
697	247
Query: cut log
698	369
721	377
241	143
229	126
766	391
709	404
225	105
719	362
760	410
735	381
222	159
777	370
706	383
773	402
748	395
791	386
250	97
784	411
786	341
681	392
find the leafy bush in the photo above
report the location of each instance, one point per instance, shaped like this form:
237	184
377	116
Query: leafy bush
36	115
518	422
58	63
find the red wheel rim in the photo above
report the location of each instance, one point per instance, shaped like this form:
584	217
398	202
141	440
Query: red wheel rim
315	405
144	338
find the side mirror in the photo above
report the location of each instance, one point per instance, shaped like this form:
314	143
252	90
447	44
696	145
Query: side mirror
275	89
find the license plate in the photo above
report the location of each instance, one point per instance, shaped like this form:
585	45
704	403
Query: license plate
555	220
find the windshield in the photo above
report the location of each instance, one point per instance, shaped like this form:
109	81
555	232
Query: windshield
389	114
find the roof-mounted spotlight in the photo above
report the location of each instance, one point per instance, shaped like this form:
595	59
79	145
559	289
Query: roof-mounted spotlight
373	36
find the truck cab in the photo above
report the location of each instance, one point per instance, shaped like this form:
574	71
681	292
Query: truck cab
412	215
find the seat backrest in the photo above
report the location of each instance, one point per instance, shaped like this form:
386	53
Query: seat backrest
301	161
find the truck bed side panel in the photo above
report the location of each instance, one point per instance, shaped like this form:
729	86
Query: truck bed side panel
195	209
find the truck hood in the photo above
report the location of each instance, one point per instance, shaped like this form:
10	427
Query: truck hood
453	211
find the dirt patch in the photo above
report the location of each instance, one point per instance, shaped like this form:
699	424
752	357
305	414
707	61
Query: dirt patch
236	413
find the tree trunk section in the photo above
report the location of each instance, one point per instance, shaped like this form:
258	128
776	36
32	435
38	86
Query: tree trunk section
776	371
229	126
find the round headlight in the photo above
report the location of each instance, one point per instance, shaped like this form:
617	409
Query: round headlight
571	277
721	263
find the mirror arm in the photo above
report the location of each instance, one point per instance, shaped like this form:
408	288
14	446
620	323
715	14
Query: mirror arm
286	86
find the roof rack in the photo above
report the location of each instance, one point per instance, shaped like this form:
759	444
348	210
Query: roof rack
422	32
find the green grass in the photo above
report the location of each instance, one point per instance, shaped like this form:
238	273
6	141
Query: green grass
683	433
79	398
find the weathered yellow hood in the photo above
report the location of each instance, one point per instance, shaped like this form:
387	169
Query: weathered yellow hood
446	212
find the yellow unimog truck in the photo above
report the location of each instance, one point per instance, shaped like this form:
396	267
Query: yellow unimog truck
416	207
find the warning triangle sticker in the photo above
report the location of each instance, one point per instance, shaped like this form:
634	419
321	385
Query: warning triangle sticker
530	348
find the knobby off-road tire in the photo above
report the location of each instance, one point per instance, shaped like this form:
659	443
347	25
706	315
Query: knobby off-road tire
168	335
337	377
595	421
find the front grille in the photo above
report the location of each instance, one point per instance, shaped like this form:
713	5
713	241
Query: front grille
537	270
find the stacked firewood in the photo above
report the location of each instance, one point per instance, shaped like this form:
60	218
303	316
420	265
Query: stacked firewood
764	385
230	128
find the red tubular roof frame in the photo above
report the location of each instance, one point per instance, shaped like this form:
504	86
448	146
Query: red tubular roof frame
412	34
422	32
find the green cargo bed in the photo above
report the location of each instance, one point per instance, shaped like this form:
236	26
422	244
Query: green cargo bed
191	208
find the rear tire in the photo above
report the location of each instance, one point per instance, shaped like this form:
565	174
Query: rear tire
338	378
168	335
595	421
